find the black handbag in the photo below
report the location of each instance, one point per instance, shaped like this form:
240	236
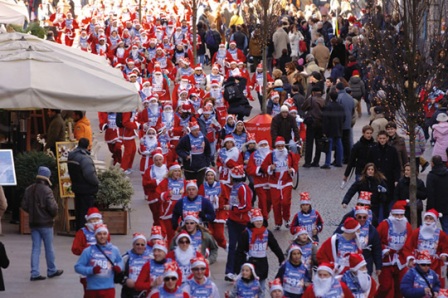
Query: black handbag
324	144
118	277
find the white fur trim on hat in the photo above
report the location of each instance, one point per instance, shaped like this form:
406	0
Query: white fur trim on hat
170	273
349	231
326	268
198	263
191	217
138	236
101	228
252	268
161	247
191	183
182	235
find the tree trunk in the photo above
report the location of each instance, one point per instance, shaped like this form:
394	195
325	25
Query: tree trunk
265	80
194	11
413	181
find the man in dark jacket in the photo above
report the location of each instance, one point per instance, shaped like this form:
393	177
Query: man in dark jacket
347	102
437	188
56	130
333	116
42	208
359	153
233	94
84	180
282	124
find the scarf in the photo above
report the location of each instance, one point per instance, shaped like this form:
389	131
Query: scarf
257	233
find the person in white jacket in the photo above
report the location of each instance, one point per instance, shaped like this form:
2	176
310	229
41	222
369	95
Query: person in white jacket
294	37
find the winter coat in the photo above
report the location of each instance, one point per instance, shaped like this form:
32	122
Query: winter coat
371	185
437	188
420	142
282	127
378	124
440	135
197	161
281	41
348	71
294	39
402	189
333	118
348	104
358	87
55	132
311	67
40	204
358	156
340	52
385	159
407	287
82	172
322	55
337	72
313	106
399	144
4	263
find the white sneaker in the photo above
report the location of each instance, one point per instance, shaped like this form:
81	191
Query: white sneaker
128	171
287	224
229	277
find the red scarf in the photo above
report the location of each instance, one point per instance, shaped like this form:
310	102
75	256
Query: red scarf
257	233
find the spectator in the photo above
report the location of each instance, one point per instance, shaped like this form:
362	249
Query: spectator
42	208
321	53
280	40
327	29
437	185
379	122
295	36
282	124
359	153
338	70
56	130
347	132
398	142
4	263
212	39
338	50
358	89
351	66
311	65
440	135
82	127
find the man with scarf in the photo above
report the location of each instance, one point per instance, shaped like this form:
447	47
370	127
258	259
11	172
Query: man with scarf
428	237
357	279
261	179
194	150
280	165
325	284
253	244
393	234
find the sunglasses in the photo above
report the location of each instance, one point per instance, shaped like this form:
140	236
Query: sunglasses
361	217
184	242
198	269
190	223
425	265
361	205
172	278
140	244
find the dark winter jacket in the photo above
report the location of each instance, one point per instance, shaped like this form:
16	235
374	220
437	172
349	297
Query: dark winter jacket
337	72
371	185
407	283
207	213
386	160
40	204
402	189
348	71
340	52
347	102
358	87
333	117
358	156
4	263
313	106
399	144
82	172
437	188
197	162
281	126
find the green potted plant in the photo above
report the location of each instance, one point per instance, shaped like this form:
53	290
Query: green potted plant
113	199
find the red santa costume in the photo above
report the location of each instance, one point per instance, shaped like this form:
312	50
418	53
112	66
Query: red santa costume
228	157
310	220
171	121
280	165
357	279
113	40
214	76
261	180
112	134
168	47
69	25
151	112
337	248
212	126
184	85
130	125
198	78
393	234
165	64
233	53
220	58
148	144
152	177
138	58
83	42
160	85
328	286
57	19
257	80
196	96
429	237
101	47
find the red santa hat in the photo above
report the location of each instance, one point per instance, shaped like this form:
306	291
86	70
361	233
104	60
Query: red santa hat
194	125
233	62
157	152
93	212
356	261
399	207
137	236
191	183
232	43
160	48
228	138
361	210
237	172
274	285
252	269
156	233
293	248
160	244
433	213
157	69
293	110
305	198
118	65
208	170
222	45
183	91
146	82
186	60
160	127
214	83
182	235
274	94
192	215
280	141
262	142
185	78
208	110
174	166
240	62
102	37
355	73
132	74
170	270
300	231
170	24
198	262
187	108
216	66
255	215
423	257
198	67
260	66
101	228
160	28
168	104
351	225
151	129
365	197
328	267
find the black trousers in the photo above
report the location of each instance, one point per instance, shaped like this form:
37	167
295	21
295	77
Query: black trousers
82	204
312	135
199	176
346	145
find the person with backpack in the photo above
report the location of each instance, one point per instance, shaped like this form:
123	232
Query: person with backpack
212	40
233	94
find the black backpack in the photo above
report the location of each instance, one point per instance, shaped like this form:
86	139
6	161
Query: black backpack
232	93
210	39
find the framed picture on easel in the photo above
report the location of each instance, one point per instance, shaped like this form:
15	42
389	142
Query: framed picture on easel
7	169
65	184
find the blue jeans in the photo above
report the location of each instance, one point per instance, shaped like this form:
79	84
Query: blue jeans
37	235
201	59
338	144
444	223
235	230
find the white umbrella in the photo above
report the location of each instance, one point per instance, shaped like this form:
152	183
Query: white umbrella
12	12
36	73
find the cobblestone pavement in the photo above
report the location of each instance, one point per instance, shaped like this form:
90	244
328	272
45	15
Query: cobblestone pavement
323	186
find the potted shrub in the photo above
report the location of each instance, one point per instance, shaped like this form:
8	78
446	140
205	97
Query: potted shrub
113	199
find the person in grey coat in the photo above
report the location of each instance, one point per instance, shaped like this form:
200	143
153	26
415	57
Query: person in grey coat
281	41
348	104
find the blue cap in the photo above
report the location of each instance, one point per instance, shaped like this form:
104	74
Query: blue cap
44	173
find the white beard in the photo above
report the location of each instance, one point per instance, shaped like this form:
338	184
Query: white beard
233	153
398	226
147	91
183	85
427	231
321	286
215	93
154	107
158	80
184	257
222	52
150	141
281	154
264	151
120	52
144	39
91	226
168	116
365	281
160	172
134	53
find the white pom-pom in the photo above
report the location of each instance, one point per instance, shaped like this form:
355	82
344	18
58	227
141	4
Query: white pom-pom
407	201
440	215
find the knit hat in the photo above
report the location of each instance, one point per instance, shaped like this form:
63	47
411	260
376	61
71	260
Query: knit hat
423	257
170	269
160	244
190	183
305	198
356	261
44	173
278	83
280	141
442	117
182	235
361	210
364	197
255	215
137	236
328	267
93	212
156	233
399	207
284	108
293	248
433	213
351	225
237	172
192	215
276	284
101	228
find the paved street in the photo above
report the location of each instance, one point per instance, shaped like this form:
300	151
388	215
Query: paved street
323	186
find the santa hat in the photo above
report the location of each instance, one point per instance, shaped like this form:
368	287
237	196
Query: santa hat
137	236
102	37
365	197
182	235
186	60
167	104
236	72
156	233
328	267
356	261
174	166
252	268
276	284
146	82
351	225
183	91
101	228
232	42
222	45
255	215
251	138
228	138
194	125
293	110
233	62
230	116
151	129
157	152
157	69
160	127
293	248
190	183
399	207
198	67
280	141
361	210
170	269
215	66
305	198
198	262
433	213
132	74
192	215
240	62
160	244
170	24
160	48
210	170
423	257
300	231
214	83
262	142
187	108
185	78
237	172
93	212
159	28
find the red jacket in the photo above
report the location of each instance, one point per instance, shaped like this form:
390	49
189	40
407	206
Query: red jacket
261	179
309	293
239	213
279	179
388	260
